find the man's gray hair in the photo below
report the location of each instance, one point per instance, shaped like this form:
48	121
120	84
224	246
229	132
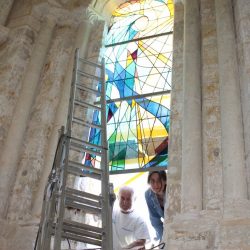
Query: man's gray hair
127	188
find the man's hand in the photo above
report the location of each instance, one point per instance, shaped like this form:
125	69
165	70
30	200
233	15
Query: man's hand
138	244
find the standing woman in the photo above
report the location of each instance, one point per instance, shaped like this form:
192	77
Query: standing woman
155	198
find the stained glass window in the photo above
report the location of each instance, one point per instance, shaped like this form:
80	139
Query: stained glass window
138	77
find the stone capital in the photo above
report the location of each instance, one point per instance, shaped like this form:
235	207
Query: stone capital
92	15
56	14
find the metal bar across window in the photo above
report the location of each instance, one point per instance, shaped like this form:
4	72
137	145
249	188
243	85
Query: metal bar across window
136	170
137	96
138	39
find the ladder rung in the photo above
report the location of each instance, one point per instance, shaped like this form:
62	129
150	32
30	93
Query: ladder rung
82	166
82	148
87	209
81	239
82	232
88	124
85	104
90	63
98	78
84	88
86	143
82	193
83	226
75	229
77	171
83	201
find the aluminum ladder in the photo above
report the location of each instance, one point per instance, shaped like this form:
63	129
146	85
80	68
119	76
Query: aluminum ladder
60	195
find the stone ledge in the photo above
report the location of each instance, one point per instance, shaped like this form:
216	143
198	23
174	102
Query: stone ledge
193	231
211	229
4	32
234	235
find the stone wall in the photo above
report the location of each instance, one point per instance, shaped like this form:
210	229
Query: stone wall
41	122
37	42
36	61
16	54
220	223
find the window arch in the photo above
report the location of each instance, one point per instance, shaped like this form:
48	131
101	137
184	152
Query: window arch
138	77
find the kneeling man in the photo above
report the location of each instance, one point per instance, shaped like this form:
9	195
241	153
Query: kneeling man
129	229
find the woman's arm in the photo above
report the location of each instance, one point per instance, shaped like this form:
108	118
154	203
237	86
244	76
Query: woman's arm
155	218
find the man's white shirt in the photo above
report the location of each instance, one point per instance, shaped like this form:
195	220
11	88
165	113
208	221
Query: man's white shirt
128	228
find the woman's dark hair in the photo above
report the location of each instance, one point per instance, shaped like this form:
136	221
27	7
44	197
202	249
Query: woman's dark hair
162	174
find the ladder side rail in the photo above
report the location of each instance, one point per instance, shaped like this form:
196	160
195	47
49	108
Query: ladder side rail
72	93
52	211
106	216
57	199
46	233
60	196
48	207
43	227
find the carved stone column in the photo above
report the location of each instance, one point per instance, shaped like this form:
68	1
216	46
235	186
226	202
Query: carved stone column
41	123
242	17
235	187
191	127
81	42
13	143
211	119
175	137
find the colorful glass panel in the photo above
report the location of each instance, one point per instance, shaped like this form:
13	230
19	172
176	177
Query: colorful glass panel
141	18
138	133
138	66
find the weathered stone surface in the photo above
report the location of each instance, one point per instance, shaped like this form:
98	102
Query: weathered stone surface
174	171
23	236
203	231
212	163
192	231
5	7
222	224
95	42
14	56
235	234
242	24
39	128
20	9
